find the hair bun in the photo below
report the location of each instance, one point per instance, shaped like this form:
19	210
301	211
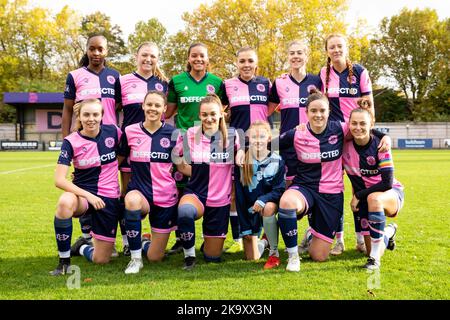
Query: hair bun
364	103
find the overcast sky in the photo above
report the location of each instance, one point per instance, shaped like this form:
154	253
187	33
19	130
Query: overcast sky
127	13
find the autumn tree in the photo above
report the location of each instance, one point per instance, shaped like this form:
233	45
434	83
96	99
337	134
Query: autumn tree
413	48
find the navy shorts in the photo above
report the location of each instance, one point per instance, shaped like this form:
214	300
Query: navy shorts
363	212
215	219
163	220
324	211
250	223
104	221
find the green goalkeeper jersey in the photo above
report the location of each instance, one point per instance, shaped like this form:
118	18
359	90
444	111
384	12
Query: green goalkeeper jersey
187	93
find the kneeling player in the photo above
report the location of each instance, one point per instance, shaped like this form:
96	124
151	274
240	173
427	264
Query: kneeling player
95	187
376	192
152	189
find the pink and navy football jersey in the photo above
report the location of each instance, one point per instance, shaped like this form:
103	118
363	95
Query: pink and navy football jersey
151	162
343	95
291	96
365	166
212	164
130	92
248	100
319	156
94	160
82	84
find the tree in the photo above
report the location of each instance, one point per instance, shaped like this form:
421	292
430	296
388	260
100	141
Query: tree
412	47
152	31
266	25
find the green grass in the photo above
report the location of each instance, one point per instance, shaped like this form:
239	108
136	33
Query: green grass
417	269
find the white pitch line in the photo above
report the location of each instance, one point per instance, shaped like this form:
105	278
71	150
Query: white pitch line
25	169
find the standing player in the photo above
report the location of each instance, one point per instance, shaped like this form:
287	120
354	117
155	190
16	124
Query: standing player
376	192
93	80
289	94
186	90
344	83
317	189
259	186
152	189
130	92
210	149
247	97
95	186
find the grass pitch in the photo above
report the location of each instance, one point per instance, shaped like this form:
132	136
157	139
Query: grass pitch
417	269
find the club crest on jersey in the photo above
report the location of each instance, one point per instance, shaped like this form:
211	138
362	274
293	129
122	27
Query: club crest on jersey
371	161
178	176
260	87
159	87
109	142
333	139
311	87
210	88
111	79
164	142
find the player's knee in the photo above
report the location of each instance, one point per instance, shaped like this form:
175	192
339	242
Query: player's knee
66	205
319	256
187	211
155	257
133	201
374	201
269	209
287	202
101	258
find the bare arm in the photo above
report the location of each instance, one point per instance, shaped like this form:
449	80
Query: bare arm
272	108
171	109
184	168
67	117
62	183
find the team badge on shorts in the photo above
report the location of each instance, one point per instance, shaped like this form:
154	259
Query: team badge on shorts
111	79
164	142
333	139
260	87
371	161
109	142
159	87
210	88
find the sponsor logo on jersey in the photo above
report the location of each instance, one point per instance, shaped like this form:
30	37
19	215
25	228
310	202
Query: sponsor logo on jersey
110	142
352	91
320	155
371	160
367	172
86	80
138	141
64	154
111	79
134	85
159	87
62	237
252	98
333	139
191	99
211	155
287	89
84	149
97	91
295	101
164	142
150	155
97	159
135	96
67	88
235	88
186	88
210	88
260	87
